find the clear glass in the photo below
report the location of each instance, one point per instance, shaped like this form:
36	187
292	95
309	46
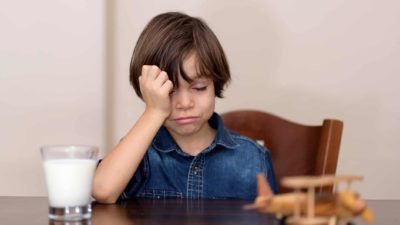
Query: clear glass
69	171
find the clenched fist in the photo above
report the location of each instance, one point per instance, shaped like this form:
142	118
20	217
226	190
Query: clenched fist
156	88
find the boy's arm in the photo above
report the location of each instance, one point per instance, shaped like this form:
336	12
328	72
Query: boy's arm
117	168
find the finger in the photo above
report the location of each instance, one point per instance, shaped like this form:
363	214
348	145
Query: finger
161	78
167	87
166	83
150	71
153	72
145	68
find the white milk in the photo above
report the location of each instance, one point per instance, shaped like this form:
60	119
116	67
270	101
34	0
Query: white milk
69	181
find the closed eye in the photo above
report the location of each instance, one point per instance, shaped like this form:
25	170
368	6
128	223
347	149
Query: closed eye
200	88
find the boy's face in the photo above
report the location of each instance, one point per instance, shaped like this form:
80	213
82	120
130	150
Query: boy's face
192	103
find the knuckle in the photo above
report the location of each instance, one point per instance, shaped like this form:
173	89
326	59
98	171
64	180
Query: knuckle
155	68
169	83
164	74
144	68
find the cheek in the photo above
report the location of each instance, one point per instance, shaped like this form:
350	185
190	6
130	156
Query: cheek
208	103
210	98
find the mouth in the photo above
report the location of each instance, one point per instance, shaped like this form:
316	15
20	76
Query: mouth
185	120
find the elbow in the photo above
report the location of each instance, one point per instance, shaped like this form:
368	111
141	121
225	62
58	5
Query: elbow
104	199
102	195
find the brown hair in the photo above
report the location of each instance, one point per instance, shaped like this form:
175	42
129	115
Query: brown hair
165	42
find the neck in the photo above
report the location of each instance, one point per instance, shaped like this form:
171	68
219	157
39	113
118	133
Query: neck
194	144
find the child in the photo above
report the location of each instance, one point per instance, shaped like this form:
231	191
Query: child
179	148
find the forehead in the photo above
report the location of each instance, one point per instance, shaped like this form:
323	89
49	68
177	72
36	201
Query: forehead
190	65
191	70
194	79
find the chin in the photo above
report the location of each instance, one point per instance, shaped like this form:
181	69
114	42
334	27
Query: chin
184	131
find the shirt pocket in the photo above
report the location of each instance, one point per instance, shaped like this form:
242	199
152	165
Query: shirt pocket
160	194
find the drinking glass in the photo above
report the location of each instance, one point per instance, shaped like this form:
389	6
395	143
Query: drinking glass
69	171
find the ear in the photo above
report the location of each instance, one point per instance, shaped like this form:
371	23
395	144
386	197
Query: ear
263	186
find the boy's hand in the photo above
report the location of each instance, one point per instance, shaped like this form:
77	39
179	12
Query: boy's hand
155	88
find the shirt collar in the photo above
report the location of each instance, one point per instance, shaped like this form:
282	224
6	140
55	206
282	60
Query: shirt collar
164	142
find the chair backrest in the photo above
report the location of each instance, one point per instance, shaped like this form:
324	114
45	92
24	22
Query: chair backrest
296	149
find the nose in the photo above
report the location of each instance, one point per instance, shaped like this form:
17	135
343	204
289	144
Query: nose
183	100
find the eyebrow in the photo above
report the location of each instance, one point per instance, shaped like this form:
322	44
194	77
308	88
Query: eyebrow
197	78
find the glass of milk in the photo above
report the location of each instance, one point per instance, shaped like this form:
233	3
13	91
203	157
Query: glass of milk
69	171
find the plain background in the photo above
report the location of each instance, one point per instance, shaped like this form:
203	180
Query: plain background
64	76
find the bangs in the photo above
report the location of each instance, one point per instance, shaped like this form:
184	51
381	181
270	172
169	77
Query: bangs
201	69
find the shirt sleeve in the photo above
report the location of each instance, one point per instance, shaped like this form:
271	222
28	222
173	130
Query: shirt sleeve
270	172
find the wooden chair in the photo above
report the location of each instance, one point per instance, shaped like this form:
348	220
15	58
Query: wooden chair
295	149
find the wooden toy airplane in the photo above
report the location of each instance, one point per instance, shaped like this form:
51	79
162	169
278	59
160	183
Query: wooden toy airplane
307	207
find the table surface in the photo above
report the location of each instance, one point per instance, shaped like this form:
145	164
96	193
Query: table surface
33	210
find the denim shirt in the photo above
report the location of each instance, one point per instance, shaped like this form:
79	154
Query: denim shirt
224	170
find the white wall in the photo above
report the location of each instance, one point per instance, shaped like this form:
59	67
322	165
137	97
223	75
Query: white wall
51	84
303	60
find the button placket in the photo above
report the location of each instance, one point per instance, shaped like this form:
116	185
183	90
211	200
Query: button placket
195	178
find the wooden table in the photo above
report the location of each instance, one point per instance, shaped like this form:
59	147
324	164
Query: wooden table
33	211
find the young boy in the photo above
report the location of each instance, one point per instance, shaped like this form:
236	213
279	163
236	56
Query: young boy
179	148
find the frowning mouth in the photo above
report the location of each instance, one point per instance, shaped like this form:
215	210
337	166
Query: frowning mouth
185	120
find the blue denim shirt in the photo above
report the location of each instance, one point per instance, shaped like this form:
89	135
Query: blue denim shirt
224	170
